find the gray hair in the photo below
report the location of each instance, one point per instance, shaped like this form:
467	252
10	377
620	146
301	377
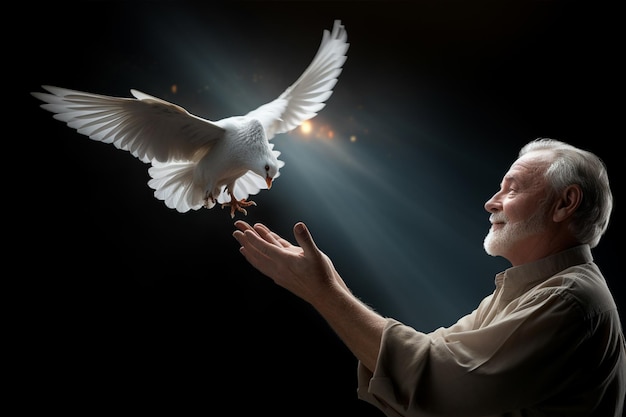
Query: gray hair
572	165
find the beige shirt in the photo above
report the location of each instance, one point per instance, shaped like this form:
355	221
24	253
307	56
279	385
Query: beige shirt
547	342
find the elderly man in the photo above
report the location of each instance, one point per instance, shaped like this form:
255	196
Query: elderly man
546	342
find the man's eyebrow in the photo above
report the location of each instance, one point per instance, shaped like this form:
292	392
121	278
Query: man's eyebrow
509	178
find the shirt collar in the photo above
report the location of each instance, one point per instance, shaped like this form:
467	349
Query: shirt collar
518	278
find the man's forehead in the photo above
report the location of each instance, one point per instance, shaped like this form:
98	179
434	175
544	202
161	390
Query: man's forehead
529	167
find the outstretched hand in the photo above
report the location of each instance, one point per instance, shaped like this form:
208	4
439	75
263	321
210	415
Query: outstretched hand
304	270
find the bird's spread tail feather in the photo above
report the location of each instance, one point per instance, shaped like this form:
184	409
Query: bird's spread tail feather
173	183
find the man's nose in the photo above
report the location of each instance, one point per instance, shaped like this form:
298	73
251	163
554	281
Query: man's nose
493	204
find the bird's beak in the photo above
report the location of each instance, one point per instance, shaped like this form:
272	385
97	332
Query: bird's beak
268	181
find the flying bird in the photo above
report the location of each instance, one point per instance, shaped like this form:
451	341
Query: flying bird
196	162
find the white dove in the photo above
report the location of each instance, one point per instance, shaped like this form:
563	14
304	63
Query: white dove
197	162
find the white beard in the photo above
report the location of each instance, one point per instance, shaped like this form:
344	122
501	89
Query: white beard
498	242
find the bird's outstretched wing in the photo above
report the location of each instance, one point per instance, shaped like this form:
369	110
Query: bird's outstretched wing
308	95
147	127
192	166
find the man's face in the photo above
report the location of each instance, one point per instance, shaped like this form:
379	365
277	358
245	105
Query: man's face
519	211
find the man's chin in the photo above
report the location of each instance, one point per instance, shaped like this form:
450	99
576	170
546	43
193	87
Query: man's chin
491	246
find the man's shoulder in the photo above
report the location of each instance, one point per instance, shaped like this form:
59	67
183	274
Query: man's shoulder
582	286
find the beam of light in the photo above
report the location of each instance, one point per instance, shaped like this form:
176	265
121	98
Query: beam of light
385	223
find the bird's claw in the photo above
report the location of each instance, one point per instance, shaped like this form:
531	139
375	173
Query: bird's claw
238	205
207	198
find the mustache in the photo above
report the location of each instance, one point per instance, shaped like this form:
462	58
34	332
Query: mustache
498	218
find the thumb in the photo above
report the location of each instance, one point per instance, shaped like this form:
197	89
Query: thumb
304	238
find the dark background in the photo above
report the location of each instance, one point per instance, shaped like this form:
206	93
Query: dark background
126	305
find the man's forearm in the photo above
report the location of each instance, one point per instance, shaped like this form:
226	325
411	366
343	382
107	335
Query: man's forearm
356	324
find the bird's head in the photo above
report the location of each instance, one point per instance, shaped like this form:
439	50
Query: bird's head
270	170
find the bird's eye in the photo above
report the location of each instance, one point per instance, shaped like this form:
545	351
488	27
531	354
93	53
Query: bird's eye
267	167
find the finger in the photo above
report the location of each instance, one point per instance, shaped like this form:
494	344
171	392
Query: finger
282	241
245	235
273	237
304	238
267	234
253	247
241	228
242	225
259	245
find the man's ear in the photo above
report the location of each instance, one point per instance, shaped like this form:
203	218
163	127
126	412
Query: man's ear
567	202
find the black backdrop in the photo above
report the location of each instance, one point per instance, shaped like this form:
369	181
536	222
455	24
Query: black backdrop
132	307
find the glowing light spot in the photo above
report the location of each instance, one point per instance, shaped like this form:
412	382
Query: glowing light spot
174	88
353	138
306	127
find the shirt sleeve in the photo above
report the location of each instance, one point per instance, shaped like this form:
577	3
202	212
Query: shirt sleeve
475	368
